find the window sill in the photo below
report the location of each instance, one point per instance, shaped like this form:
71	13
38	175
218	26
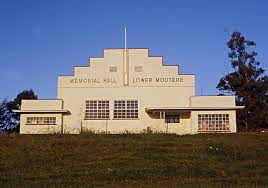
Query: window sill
40	124
96	119
203	131
126	119
112	119
172	123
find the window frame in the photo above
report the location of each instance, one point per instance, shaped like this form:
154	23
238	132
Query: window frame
138	68
172	115
113	69
97	110
126	109
213	122
41	120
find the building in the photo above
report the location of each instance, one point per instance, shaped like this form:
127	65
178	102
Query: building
128	90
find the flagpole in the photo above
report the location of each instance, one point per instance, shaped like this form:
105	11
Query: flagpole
125	75
125	38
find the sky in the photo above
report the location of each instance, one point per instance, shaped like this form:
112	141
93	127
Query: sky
41	39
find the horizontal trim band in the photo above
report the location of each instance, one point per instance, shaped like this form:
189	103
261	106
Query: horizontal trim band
41	111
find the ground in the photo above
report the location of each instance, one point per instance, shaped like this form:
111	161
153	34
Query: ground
134	160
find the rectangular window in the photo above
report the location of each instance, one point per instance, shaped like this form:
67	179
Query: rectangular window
172	118
41	120
97	109
113	69
213	122
138	68
126	109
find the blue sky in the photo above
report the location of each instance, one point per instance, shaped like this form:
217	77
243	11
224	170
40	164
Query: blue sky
41	39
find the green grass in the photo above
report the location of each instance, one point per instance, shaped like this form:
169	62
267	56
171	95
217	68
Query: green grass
129	160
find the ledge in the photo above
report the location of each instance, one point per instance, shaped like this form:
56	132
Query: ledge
214	131
41	111
32	124
161	109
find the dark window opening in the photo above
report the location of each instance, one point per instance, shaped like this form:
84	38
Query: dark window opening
172	119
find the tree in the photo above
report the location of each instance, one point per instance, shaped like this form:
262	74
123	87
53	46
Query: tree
248	82
16	104
7	122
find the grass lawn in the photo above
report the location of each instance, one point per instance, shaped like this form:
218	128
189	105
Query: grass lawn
134	160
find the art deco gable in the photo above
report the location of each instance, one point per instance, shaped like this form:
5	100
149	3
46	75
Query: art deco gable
133	67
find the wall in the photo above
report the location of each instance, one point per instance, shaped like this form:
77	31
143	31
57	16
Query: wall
212	101
155	85
41	104
40	129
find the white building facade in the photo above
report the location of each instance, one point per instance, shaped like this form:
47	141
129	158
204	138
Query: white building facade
127	90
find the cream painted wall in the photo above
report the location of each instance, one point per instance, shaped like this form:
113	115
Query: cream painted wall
40	129
212	101
42	104
74	101
143	86
152	68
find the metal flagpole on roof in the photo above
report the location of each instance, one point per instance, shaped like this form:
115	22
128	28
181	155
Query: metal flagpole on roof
125	38
125	74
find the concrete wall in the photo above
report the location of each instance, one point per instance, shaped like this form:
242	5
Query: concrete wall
74	101
41	104
40	129
212	101
154	85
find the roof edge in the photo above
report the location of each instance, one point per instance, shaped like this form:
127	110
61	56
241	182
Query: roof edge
40	111
150	109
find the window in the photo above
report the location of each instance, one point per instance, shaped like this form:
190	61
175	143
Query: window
172	118
138	68
126	109
213	122
97	109
113	69
41	120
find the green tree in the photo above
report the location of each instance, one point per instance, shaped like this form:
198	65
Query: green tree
16	104
248	82
7	122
